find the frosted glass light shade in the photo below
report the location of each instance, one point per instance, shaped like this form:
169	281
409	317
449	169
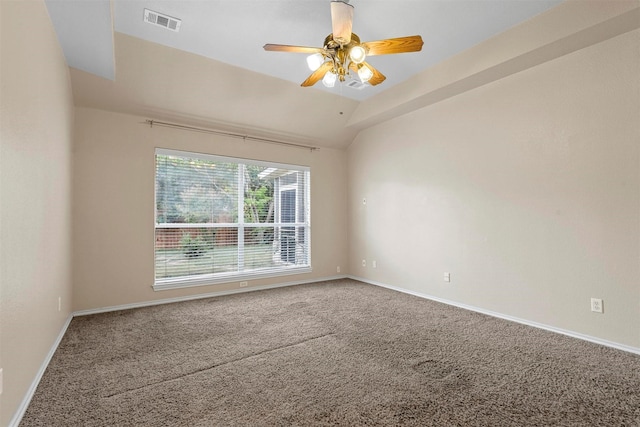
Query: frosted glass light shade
357	54
364	73
315	61
329	79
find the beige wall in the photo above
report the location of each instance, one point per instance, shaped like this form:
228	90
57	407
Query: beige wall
114	205
527	190
35	198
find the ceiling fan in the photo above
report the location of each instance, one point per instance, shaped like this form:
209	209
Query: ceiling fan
343	52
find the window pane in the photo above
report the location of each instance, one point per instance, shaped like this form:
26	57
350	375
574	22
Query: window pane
258	196
195	191
195	251
259	249
290	246
274	247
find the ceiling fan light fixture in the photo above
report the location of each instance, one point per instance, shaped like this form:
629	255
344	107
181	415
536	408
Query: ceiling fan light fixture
342	54
315	61
329	79
364	73
357	54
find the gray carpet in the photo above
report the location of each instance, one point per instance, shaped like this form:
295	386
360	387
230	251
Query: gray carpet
331	353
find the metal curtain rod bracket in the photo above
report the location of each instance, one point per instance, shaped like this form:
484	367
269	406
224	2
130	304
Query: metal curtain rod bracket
229	134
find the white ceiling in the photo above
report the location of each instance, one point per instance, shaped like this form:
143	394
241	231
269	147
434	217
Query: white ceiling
234	31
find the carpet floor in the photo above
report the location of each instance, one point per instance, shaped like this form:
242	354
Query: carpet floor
331	353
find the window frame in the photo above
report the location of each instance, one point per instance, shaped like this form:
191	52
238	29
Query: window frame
241	225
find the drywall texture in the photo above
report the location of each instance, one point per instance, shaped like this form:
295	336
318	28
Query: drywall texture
570	26
35	207
175	85
527	190
114	205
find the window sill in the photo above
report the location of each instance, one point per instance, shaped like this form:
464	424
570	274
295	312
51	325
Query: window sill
206	280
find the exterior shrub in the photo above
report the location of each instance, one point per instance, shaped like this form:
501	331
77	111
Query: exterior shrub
192	247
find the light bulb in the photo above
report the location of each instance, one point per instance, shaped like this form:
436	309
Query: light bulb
315	61
364	73
329	79
357	54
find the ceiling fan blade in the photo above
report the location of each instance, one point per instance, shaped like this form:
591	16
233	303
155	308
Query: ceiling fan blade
341	21
296	49
317	74
389	46
377	77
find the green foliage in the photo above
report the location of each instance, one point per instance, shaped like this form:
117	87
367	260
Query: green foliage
258	196
192	247
258	204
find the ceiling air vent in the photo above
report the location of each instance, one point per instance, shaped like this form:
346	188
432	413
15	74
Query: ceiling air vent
161	20
356	84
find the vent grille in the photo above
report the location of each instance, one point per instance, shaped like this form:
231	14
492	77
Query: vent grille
162	20
355	84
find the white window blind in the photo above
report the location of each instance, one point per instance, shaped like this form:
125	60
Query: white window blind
221	219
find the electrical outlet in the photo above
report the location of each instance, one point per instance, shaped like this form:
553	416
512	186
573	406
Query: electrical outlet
447	277
243	284
364	262
596	305
59	303
364	201
338	269
374	264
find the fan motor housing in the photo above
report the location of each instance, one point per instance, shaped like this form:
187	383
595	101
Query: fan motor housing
330	43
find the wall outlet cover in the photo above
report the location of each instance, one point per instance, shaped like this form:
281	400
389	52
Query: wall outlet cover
596	305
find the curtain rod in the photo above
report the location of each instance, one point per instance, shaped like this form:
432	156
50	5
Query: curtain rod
230	134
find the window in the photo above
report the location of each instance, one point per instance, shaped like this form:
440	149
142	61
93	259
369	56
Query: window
220	219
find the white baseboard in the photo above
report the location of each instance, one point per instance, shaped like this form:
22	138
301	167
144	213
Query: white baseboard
17	417
200	296
573	334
